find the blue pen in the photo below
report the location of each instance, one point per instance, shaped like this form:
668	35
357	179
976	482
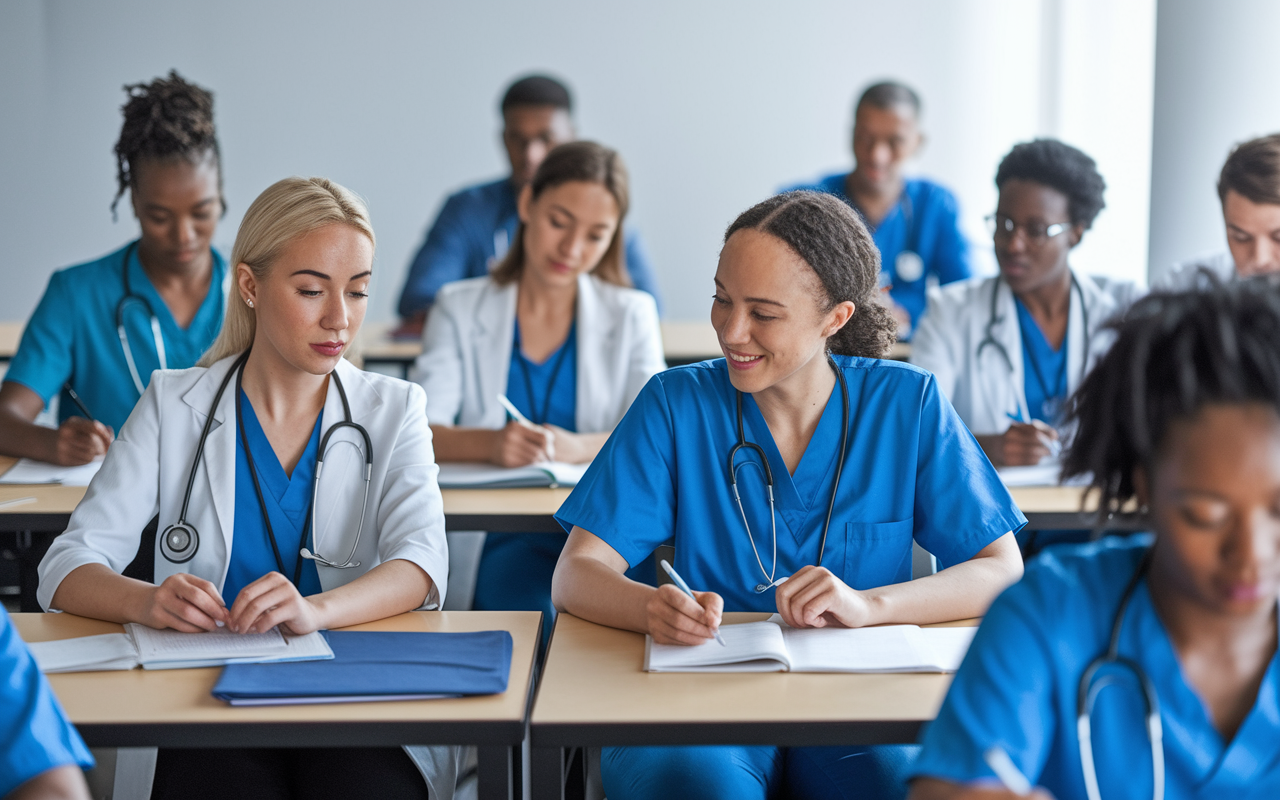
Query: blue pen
684	587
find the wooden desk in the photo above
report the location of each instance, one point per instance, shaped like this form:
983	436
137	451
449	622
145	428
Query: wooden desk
594	692
174	708
10	335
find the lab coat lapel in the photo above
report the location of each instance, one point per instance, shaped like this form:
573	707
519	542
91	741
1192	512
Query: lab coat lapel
219	457
493	336
596	350
1084	304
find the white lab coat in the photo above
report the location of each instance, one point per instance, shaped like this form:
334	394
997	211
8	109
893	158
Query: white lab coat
469	337
1186	275
147	467
986	387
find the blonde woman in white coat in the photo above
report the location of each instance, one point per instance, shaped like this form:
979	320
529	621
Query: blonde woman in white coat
248	550
556	329
1008	351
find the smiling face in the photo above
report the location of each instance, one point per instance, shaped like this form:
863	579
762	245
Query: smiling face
177	204
311	302
1029	262
884	139
767	313
1253	234
567	230
1215	500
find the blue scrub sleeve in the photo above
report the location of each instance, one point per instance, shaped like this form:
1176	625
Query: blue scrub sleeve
36	734
45	360
442	259
951	260
628	495
961	504
1002	695
640	269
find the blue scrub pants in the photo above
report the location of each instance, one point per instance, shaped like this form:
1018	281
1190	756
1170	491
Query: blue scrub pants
756	773
516	569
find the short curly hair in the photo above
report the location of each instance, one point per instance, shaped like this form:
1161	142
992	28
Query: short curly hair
167	118
828	236
1062	167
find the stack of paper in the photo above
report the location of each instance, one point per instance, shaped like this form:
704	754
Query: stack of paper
486	476
28	471
153	649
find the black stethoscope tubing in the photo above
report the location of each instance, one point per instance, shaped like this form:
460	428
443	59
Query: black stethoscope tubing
540	418
180	542
994	317
1091	685
768	475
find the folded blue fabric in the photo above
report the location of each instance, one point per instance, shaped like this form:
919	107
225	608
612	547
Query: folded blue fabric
376	664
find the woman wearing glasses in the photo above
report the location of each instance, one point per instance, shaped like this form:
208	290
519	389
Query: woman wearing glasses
1008	350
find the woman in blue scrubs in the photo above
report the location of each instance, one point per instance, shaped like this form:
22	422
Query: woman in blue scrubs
1183	418
166	288
42	753
555	328
865	455
277	542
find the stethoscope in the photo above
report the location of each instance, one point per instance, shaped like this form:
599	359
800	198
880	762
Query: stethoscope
1091	685
768	479
180	541
994	318
131	297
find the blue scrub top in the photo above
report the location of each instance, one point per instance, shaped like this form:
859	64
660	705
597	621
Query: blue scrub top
1017	688
72	336
561	407
925	220
463	243
33	727
1044	370
912	470
288	499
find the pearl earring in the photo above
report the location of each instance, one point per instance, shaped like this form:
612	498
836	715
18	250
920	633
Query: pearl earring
250	302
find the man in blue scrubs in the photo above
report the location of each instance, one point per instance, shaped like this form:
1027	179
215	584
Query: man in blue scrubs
42	754
478	223
913	221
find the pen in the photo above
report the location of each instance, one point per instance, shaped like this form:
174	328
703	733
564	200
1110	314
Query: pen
75	398
17	501
684	587
1054	445
1006	771
514	412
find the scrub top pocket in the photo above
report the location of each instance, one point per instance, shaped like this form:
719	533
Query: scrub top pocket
877	553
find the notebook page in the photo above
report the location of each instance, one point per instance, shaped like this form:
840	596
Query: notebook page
889	648
86	654
948	645
749	647
155	646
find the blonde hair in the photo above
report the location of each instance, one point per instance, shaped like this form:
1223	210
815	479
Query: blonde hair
286	210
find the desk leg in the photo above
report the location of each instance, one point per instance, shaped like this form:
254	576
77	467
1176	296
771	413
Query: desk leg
495	773
548	773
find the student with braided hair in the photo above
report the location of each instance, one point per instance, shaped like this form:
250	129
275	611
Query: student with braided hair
102	327
1183	417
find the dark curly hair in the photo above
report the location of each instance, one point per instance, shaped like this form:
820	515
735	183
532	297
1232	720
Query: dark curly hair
166	119
1059	166
1175	353
828	236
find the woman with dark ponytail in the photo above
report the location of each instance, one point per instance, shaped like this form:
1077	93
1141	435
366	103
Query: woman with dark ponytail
840	460
157	303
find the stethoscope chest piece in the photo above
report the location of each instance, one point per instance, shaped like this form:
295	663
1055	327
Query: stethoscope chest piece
179	543
909	266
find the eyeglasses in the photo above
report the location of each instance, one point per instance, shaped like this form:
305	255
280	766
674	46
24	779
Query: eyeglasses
1002	228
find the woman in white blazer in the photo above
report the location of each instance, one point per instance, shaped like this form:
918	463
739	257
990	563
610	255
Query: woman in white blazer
1007	351
242	545
557	330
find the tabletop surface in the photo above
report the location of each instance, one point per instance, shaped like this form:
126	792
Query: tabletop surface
595	675
182	696
10	333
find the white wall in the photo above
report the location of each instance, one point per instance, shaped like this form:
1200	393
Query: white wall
714	105
1216	85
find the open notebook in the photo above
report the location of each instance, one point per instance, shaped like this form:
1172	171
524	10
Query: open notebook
153	649
29	471
773	646
486	476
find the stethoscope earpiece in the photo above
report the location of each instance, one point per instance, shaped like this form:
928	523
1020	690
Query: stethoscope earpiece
179	543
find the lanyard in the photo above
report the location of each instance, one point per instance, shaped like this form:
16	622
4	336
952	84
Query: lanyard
540	417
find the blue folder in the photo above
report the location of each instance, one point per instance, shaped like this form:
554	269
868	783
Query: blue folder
375	665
